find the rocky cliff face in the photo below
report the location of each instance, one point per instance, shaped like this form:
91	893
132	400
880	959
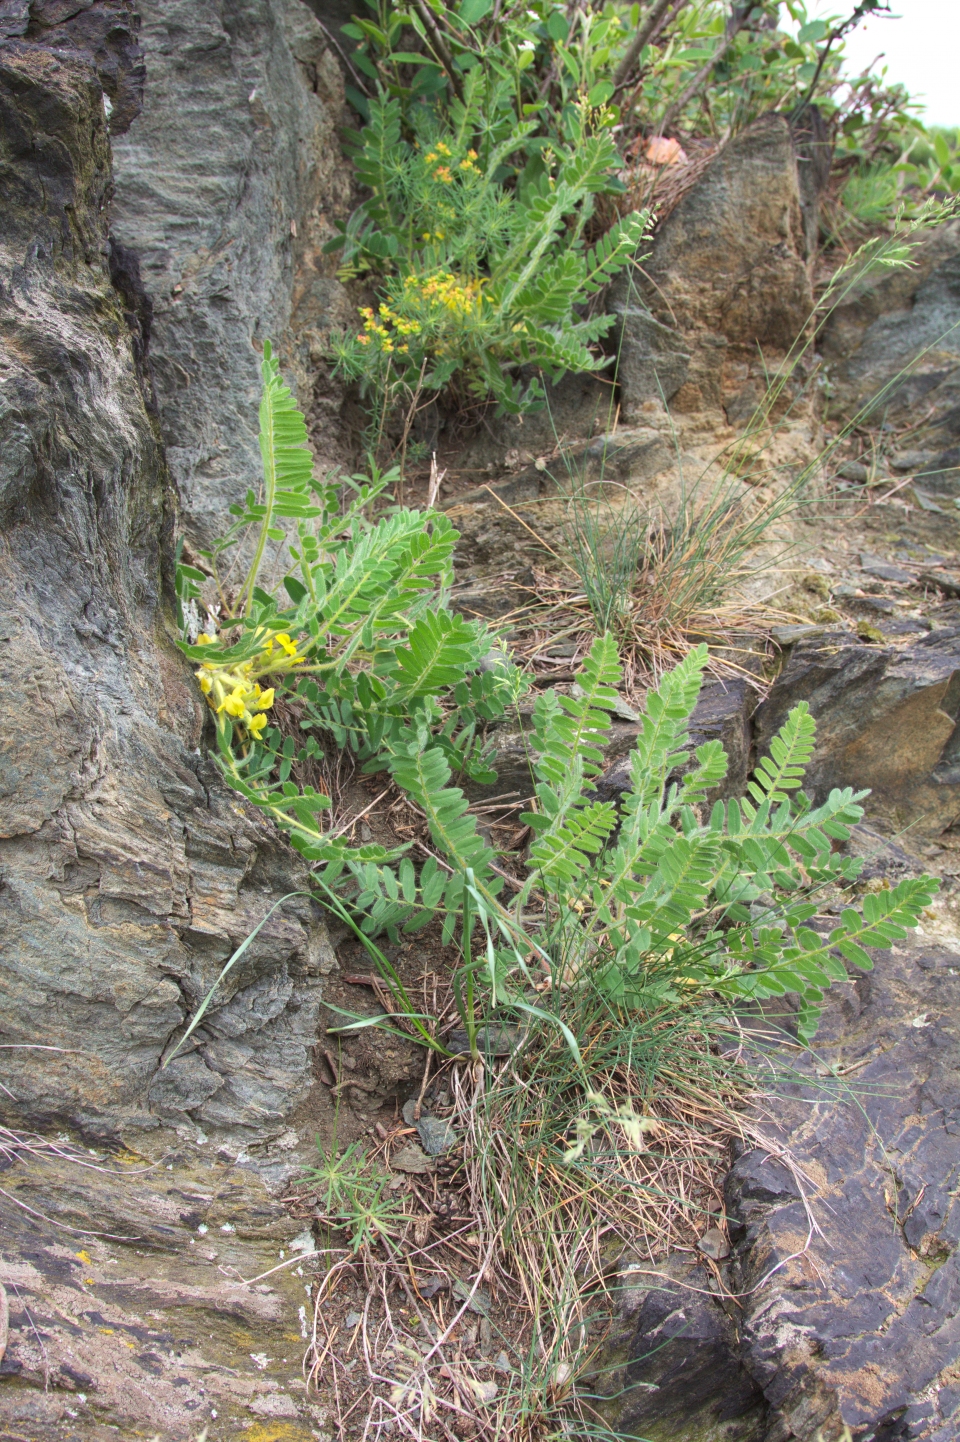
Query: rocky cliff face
226	187
128	873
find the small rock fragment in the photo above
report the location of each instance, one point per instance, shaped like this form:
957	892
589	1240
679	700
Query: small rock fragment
411	1159
911	460
789	635
437	1136
925	501
714	1244
885	570
479	1300
353	1319
491	1040
433	1285
949	585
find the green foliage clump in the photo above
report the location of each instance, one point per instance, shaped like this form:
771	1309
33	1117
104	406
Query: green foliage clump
358	637
477	281
650	903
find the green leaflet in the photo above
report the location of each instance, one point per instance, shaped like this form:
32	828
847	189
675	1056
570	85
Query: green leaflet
570	729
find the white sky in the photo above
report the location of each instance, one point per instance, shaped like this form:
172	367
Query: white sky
921	46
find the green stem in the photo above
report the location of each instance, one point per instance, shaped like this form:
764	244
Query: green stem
270	478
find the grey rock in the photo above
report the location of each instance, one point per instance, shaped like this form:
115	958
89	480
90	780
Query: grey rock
129	873
479	1297
894	342
885	570
14	18
636	454
654	361
185	1084
436	1135
713	1244
942	581
879	605
923	499
727	269
412	1160
682	1377
493	600
813	147
105	35
491	1040
876	1332
124	1280
886	719
854	471
911	460
786	636
851	1323
226	186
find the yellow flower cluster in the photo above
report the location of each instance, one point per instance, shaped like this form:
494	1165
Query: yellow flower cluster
439	297
443	289
441	152
234	690
376	327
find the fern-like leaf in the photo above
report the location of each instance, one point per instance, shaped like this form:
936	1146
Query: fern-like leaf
791	751
569	729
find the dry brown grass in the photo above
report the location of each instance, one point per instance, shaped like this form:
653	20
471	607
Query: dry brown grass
491	1296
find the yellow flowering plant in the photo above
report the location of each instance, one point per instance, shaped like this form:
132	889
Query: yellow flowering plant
647	904
355	634
477	282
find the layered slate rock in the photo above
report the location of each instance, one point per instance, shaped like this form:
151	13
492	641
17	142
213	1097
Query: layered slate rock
129	874
895	343
859	1323
138	1305
227	187
681	1377
886	719
838	1306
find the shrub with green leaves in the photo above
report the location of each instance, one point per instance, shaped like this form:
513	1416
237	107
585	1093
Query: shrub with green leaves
650	903
656	901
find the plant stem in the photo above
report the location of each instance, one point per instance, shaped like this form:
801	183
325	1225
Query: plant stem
645	32
270	480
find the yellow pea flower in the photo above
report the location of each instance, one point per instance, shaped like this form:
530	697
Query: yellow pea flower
235	704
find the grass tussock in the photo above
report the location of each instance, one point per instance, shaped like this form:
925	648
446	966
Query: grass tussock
526	1227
